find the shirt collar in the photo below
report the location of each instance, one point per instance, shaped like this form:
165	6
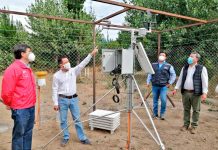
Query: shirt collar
21	64
162	63
192	66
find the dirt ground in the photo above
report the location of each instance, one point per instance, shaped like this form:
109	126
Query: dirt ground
172	137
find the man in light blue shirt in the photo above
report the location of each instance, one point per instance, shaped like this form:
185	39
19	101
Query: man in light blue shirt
164	77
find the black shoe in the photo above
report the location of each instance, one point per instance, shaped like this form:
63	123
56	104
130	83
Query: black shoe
64	142
86	141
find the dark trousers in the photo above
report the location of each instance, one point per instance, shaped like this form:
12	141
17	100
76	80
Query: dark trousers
191	101
23	127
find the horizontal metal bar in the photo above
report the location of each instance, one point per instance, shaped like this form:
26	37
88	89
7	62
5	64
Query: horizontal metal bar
112	15
45	16
123	28
190	25
59	18
181	27
151	10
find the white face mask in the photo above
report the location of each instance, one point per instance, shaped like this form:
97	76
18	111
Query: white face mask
31	57
161	58
67	66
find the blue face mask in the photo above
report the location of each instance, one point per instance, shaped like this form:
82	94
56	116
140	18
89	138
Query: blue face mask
190	60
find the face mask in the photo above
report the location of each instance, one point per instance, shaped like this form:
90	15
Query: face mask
161	58
31	57
67	66
190	60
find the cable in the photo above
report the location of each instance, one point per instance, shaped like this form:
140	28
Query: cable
116	99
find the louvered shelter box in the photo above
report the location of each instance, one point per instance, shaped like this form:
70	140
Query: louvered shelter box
110	122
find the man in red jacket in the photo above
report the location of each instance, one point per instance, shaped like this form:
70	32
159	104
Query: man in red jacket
19	94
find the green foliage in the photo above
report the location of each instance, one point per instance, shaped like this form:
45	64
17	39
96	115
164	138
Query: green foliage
74	5
50	38
179	43
59	37
10	33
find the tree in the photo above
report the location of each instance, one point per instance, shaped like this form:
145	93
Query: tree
179	43
74	5
59	37
11	33
205	9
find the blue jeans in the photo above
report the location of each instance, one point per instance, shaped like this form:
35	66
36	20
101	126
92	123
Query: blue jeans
23	128
161	92
73	105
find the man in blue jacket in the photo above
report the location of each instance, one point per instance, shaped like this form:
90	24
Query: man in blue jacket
164	77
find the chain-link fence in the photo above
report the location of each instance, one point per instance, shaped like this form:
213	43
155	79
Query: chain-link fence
205	44
48	50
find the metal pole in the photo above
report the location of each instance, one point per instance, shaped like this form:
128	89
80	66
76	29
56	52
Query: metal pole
130	82
158	44
112	2
74	122
45	16
112	15
94	69
43	147
129	108
130	85
145	126
149	115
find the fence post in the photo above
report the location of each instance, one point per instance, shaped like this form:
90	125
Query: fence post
159	43
94	80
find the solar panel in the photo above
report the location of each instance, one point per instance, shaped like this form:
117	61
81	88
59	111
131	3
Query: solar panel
143	59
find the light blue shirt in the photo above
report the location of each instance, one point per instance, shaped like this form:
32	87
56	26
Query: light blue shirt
172	75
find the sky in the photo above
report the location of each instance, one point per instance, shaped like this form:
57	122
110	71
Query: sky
99	9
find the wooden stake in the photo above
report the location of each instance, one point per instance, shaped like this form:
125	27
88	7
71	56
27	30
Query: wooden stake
38	117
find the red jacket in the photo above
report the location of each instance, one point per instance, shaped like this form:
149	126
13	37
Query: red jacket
18	86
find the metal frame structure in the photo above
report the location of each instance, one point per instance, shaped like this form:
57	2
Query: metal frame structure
126	7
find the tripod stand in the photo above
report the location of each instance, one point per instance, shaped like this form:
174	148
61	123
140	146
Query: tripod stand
131	81
130	109
142	58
